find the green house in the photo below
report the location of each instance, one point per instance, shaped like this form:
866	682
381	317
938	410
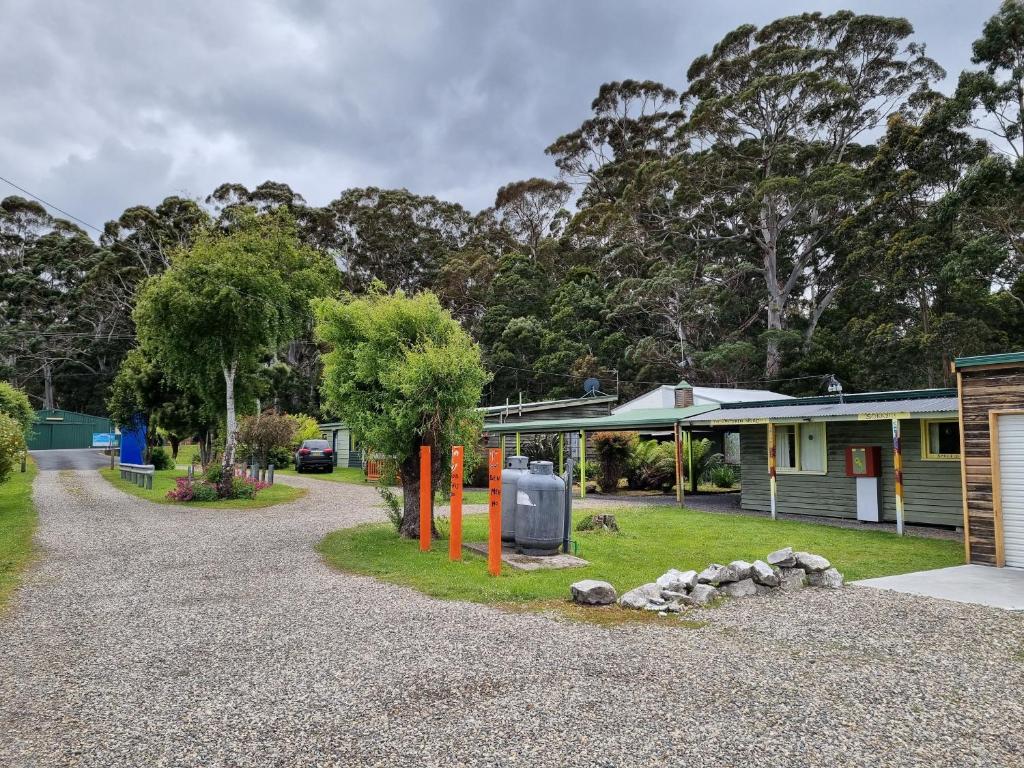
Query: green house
55	428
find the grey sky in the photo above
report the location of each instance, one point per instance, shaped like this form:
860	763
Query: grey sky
110	104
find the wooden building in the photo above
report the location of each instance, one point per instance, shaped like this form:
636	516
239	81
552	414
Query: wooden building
585	407
991	421
876	457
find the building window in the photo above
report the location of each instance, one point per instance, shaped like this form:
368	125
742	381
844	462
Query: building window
940	439
801	448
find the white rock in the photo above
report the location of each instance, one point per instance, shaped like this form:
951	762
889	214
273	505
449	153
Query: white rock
677	581
792	578
764	574
811	563
743	588
702	594
784	558
740	569
593	592
642	597
830	578
716	573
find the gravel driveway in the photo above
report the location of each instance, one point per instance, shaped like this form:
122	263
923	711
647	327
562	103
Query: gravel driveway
148	636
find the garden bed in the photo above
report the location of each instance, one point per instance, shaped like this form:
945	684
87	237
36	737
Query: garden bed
651	541
17	523
165	480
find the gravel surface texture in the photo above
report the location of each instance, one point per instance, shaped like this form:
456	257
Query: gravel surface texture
148	635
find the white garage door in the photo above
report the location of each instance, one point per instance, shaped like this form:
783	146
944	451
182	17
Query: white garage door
1011	476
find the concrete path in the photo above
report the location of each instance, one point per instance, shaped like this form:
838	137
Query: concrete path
977	584
153	635
70	458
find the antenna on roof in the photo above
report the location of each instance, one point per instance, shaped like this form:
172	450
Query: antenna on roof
591	387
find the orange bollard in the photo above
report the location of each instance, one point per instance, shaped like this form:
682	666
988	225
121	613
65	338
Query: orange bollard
455	515
494	534
426	498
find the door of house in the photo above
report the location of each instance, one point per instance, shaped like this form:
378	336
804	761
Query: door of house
1011	486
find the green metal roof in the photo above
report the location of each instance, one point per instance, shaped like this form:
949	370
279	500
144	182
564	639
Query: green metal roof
641	418
1005	357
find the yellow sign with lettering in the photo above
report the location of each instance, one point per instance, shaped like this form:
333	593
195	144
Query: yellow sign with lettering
882	416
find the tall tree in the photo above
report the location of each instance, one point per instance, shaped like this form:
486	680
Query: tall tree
227	304
776	124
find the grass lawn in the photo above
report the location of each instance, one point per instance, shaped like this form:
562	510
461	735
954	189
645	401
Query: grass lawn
164	481
651	542
17	522
339	475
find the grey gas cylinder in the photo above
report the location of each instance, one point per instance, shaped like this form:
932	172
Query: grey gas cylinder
540	510
515	467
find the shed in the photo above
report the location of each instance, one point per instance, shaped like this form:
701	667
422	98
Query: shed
340	437
584	407
991	422
881	456
55	428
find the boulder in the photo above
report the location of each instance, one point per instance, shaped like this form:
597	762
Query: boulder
715	574
642	597
702	594
783	558
740	569
593	592
812	563
761	589
677	581
792	578
743	588
830	578
764	574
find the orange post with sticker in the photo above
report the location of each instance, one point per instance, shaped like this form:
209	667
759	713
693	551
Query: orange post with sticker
426	498
455	538
494	534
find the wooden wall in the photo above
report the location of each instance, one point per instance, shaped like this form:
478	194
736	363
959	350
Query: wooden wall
931	488
983	390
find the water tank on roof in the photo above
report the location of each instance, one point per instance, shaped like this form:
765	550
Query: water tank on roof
515	467
540	510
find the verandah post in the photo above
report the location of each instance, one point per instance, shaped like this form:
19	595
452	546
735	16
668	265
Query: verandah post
583	464
771	465
677	439
897	465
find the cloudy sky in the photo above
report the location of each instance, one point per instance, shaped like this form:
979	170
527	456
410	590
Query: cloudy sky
109	104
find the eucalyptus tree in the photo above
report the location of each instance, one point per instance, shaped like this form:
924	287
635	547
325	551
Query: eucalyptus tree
227	304
780	127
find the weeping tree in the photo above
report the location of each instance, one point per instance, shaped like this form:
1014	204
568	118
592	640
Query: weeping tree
227	304
405	374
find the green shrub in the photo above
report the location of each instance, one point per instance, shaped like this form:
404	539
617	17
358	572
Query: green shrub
12	444
651	466
204	492
613	452
723	476
160	458
214	474
242	489
281	458
704	461
14	403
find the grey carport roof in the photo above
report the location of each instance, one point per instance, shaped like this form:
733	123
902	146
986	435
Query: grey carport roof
918	407
641	418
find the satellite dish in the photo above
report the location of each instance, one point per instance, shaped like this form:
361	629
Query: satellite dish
591	386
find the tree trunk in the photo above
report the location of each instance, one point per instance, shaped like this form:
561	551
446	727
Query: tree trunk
773	355
232	430
410	527
48	396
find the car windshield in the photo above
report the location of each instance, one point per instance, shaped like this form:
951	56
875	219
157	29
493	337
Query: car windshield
316	444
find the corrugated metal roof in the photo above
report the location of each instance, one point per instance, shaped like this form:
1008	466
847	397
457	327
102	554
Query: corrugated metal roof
544	405
977	360
640	418
832	411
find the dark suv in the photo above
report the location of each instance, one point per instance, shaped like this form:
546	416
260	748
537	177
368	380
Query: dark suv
314	454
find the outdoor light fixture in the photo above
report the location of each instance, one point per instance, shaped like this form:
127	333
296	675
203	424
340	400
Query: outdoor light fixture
834	387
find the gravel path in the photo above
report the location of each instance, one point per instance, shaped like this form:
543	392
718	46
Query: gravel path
148	636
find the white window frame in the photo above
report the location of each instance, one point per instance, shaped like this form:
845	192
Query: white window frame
797	445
